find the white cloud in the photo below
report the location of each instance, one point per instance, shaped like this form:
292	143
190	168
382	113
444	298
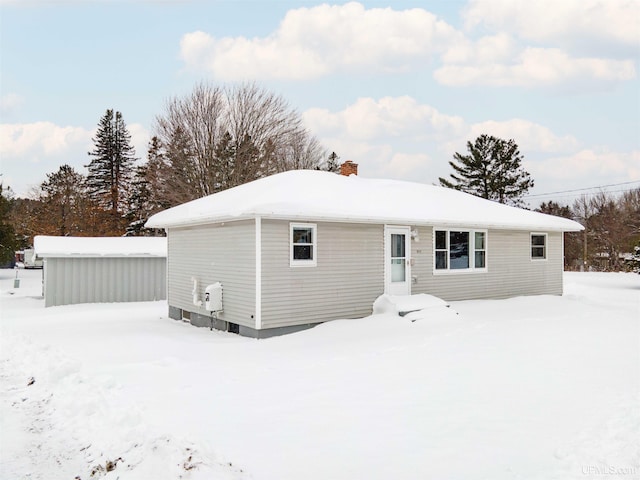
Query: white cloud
311	42
30	151
325	39
39	139
538	67
9	103
489	49
398	137
530	137
608	24
368	119
139	140
590	165
406	165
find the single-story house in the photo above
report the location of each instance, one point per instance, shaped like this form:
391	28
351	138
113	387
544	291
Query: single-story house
102	269
303	247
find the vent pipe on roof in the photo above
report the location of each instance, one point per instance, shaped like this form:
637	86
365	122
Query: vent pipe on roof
349	168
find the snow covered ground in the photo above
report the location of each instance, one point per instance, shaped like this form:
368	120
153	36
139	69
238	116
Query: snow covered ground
525	388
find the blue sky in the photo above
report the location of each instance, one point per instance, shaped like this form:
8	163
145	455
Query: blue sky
397	87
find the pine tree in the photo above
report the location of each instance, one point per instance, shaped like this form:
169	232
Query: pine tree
111	169
63	199
8	241
225	153
149	189
492	170
331	165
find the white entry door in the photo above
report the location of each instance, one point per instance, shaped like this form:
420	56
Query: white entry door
397	260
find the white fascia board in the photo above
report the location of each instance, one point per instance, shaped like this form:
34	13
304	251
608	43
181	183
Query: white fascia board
374	220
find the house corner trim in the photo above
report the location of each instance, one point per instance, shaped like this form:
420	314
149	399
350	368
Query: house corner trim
258	314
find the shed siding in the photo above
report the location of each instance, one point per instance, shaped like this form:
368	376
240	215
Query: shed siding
510	270
71	280
214	253
348	277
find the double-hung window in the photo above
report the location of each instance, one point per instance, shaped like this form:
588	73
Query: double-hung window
303	245
460	250
538	246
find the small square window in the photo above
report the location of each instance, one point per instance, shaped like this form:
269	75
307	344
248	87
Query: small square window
538	246
303	244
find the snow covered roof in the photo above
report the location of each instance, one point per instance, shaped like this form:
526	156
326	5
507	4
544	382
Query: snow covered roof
47	246
324	196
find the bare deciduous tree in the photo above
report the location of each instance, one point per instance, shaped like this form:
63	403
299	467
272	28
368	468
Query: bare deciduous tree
217	138
612	228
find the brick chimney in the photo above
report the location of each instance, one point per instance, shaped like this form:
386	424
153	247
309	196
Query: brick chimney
349	168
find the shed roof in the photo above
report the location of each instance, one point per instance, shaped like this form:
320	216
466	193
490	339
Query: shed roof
323	196
48	246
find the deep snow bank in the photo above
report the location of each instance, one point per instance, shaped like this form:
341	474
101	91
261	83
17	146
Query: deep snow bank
530	387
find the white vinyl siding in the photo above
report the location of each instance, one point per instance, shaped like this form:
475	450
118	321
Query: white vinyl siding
510	270
71	280
348	277
214	253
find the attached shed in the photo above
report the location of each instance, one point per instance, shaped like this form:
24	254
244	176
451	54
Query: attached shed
304	247
102	269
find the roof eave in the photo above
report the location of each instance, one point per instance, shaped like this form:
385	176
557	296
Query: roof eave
367	220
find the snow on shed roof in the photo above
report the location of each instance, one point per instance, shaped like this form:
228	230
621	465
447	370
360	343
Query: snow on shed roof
317	195
47	246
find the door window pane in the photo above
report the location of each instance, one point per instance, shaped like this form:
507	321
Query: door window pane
398	270
397	245
398	264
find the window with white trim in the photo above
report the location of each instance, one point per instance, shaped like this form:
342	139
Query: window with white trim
302	245
538	246
460	250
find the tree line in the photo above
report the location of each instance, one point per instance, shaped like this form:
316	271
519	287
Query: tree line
492	169
611	238
210	140
216	138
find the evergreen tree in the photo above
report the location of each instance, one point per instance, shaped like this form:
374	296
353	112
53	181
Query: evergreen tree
63	202
492	170
111	169
8	241
149	189
139	203
225	153
331	165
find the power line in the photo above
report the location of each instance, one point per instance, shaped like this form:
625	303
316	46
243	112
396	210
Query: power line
581	189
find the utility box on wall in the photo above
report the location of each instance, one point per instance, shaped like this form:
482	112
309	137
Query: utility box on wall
213	297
